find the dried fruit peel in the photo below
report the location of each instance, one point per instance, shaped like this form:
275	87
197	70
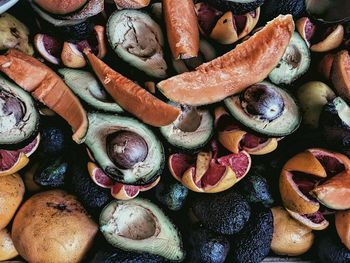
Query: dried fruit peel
247	64
47	87
132	97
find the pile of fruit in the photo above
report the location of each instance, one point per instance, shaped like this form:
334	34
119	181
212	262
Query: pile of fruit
174	131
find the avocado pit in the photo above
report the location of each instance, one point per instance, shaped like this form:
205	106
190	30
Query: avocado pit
126	148
263	102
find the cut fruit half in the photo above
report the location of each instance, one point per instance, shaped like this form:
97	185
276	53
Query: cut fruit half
98	176
315	221
208	173
127	192
48	47
11	161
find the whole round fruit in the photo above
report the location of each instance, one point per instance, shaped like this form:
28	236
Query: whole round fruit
7	249
290	237
53	227
11	195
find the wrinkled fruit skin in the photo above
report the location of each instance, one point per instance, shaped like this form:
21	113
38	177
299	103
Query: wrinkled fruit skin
207	247
253	243
225	213
330	249
52	173
262	101
126	148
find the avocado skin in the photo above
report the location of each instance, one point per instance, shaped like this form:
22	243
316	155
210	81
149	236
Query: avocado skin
78	32
207	247
236	8
91	195
225	213
255	187
120	256
51	173
171	194
330	249
253	243
273	8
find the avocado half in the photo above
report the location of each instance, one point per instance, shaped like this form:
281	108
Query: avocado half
284	124
238	7
140	226
102	126
194	139
87	88
19	119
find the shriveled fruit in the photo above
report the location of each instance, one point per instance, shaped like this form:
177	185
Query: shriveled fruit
235	138
131	97
46	86
314	221
290	238
11	161
342	223
302	173
320	38
340	74
11	195
248	63
208	172
7	249
182	30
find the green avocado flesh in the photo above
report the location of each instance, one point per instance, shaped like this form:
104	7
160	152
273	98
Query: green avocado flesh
285	124
139	225
190	140
101	126
87	88
19	118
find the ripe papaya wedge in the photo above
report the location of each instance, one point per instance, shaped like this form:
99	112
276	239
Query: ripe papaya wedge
132	97
245	65
47	87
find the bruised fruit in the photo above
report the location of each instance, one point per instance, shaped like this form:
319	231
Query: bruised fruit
235	138
294	63
11	161
342	223
139	225
248	63
340	75
290	238
253	243
225	27
11	196
14	34
335	124
18	114
132	97
46	86
303	173
266	109
137	39
7	249
209	172
320	38
225	213
38	226
125	149
312	97
335	192
207	247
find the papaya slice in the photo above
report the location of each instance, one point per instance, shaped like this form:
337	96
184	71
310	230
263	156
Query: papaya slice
132	97
340	74
47	87
182	29
245	65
